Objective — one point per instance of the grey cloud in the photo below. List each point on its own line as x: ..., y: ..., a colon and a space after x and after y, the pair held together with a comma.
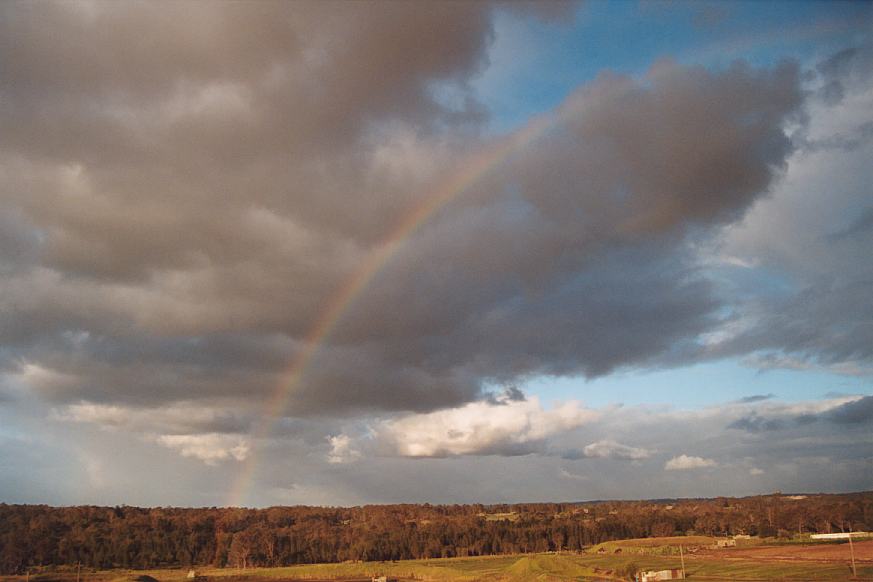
x: 709, y: 16
x: 149, y: 370
x: 607, y: 449
x: 256, y: 92
x: 755, y: 398
x: 815, y: 247
x: 564, y: 278
x: 513, y: 394
x: 19, y: 243
x: 650, y: 158
x: 555, y: 266
x: 553, y: 11
x: 855, y: 412
x: 848, y: 142
x: 62, y: 52
x: 755, y: 423
x: 823, y: 324
x: 191, y: 202
x: 862, y: 225
x: 180, y: 418
x: 509, y: 394
x: 849, y: 66
x: 185, y: 187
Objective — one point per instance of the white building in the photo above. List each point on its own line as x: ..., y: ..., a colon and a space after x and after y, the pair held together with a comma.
x: 655, y: 575
x: 842, y: 535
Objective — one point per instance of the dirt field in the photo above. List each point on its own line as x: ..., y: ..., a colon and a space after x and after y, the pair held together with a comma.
x: 830, y: 552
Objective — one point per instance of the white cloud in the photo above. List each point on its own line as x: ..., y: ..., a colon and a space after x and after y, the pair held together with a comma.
x: 94, y: 470
x: 37, y: 376
x: 508, y: 427
x: 684, y: 462
x: 815, y: 406
x: 607, y: 449
x: 341, y: 450
x: 209, y: 448
x: 568, y: 475
x: 179, y: 418
x: 105, y: 415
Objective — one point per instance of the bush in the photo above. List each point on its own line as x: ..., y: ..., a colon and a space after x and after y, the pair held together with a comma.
x: 630, y: 570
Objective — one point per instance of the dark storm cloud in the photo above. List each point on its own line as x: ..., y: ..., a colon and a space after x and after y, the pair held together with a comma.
x: 169, y: 110
x: 547, y: 273
x: 648, y: 157
x: 186, y: 185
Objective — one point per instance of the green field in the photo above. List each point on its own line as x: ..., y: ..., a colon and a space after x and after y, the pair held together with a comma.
x: 593, y: 565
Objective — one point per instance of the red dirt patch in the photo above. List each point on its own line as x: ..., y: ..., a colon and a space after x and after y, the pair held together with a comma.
x: 817, y: 553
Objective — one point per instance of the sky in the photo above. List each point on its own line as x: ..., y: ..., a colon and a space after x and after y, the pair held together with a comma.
x: 337, y: 253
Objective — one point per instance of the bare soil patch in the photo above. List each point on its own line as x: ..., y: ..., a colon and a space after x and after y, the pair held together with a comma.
x: 818, y: 552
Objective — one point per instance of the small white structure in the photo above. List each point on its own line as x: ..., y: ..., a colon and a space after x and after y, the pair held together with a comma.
x: 726, y: 543
x: 191, y: 574
x: 656, y: 575
x: 842, y: 535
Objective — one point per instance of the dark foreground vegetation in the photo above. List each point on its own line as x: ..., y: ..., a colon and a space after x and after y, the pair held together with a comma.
x: 140, y: 538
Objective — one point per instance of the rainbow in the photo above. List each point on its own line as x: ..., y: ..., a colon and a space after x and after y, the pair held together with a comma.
x: 480, y: 165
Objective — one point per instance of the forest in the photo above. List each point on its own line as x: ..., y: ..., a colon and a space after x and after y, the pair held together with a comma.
x: 139, y: 538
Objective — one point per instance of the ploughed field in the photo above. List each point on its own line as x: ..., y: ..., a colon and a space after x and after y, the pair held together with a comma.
x: 608, y: 561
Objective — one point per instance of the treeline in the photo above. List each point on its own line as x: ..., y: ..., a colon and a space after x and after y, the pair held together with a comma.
x: 133, y: 537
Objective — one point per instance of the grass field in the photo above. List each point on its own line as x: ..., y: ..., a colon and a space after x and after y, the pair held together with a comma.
x: 666, y: 546
x: 821, y: 562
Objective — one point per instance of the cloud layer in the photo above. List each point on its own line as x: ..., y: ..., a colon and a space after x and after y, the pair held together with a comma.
x: 187, y: 187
